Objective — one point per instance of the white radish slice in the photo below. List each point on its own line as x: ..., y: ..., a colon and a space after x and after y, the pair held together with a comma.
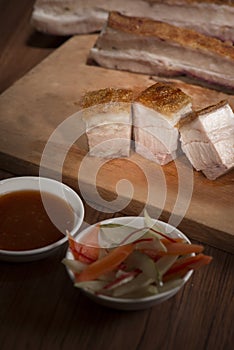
x: 74, y: 265
x: 91, y: 286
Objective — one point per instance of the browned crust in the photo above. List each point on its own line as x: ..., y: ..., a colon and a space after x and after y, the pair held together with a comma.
x: 163, y: 31
x: 171, y: 2
x: 194, y: 115
x: 107, y: 95
x: 164, y: 98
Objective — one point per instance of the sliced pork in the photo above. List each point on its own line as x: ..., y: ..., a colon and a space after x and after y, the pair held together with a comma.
x: 156, y: 111
x: 108, y: 123
x: 66, y: 17
x: 207, y: 138
x: 151, y: 47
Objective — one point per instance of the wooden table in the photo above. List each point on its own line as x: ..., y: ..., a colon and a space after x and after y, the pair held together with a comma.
x: 40, y: 308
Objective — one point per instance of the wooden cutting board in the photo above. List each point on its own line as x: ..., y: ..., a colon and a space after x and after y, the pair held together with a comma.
x: 38, y: 107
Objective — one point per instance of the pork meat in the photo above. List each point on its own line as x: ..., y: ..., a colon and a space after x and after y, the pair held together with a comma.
x: 66, y: 17
x: 156, y: 112
x: 146, y: 46
x: 106, y: 114
x: 207, y: 138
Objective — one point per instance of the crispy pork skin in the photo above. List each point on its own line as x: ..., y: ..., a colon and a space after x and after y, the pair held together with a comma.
x: 207, y: 138
x: 108, y: 123
x: 156, y: 111
x: 66, y: 17
x: 146, y: 46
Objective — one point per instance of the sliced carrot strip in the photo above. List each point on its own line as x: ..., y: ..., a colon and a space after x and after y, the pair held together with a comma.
x: 189, y: 261
x: 106, y: 264
x: 183, y: 265
x: 179, y: 248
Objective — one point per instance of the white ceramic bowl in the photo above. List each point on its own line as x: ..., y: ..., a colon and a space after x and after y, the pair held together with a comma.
x: 45, y: 185
x: 127, y: 303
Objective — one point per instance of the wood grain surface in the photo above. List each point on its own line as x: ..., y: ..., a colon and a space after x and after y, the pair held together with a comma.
x: 42, y: 103
x: 40, y: 309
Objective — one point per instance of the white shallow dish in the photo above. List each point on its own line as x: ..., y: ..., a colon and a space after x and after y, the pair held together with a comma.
x: 128, y: 303
x: 45, y: 185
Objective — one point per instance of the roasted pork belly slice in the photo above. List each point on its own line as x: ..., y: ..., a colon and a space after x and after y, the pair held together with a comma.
x: 106, y: 114
x: 156, y: 111
x: 151, y: 47
x: 66, y: 17
x: 207, y: 139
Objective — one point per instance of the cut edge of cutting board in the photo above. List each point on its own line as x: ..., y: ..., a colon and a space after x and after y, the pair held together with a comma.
x: 205, y: 234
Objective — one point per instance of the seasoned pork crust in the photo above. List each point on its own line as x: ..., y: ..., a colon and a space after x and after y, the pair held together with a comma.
x: 155, y: 113
x: 164, y: 98
x: 66, y: 17
x: 106, y: 116
x: 207, y: 139
x: 107, y: 95
x: 195, y: 114
x: 142, y: 45
x: 163, y: 31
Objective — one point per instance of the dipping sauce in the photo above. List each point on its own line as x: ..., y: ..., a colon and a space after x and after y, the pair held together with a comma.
x: 25, y: 224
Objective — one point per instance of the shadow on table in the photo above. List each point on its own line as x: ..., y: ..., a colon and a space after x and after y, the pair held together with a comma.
x: 42, y: 40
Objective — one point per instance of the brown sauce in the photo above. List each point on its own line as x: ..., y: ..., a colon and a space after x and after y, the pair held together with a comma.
x: 25, y: 224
